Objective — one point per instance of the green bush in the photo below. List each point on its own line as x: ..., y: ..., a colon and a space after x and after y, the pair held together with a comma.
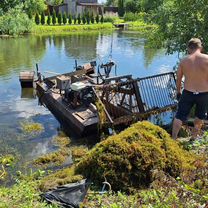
x: 88, y: 18
x: 97, y: 18
x: 42, y: 20
x: 111, y: 19
x: 101, y: 19
x: 129, y: 16
x: 75, y: 19
x: 54, y: 17
x: 37, y: 19
x: 15, y: 22
x: 127, y: 160
x: 92, y: 19
x: 83, y: 19
x: 64, y: 18
x: 49, y: 19
x: 79, y: 19
x: 121, y: 9
x: 132, y: 6
x: 70, y: 19
x: 59, y: 18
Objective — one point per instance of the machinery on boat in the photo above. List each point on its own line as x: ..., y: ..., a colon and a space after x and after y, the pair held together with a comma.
x: 86, y: 101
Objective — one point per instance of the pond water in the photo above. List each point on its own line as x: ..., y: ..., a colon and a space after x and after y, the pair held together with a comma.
x: 57, y: 53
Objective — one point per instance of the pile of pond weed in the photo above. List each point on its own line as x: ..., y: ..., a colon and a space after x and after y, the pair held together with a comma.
x: 78, y: 152
x: 127, y: 160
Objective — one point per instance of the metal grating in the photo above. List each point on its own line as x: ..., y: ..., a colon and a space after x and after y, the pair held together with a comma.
x: 157, y: 91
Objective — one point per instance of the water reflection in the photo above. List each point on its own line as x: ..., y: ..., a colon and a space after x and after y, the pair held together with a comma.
x: 28, y: 93
x: 20, y: 53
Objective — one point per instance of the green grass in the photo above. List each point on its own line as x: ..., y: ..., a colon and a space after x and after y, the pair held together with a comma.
x: 24, y: 194
x: 142, y: 26
x: 39, y: 29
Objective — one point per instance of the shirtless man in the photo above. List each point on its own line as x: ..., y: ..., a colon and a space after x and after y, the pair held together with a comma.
x: 194, y: 68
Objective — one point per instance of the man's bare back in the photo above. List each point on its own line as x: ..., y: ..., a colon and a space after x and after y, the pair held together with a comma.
x: 195, y: 70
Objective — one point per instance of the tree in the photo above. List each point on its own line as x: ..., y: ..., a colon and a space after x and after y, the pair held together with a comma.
x: 64, y: 18
x: 54, y: 17
x: 75, y: 19
x: 92, y: 19
x: 34, y: 6
x: 132, y: 6
x: 121, y: 10
x: 54, y: 2
x: 179, y: 21
x: 70, y: 19
x: 97, y: 18
x: 49, y: 19
x: 111, y: 3
x: 37, y: 19
x: 42, y: 20
x: 79, y: 19
x: 83, y: 19
x: 60, y: 18
x: 102, y: 19
x: 149, y: 5
x: 15, y: 22
x: 9, y: 4
x: 88, y: 17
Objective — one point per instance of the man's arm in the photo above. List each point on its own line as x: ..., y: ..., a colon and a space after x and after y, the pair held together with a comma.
x: 179, y: 79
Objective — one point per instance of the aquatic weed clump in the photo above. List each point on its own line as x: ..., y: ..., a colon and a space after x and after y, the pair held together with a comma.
x: 31, y: 128
x: 127, y: 160
x: 58, y: 157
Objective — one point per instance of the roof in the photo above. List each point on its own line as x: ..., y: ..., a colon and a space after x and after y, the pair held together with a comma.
x: 89, y: 4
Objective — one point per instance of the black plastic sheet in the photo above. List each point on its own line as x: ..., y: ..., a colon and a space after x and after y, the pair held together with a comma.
x: 70, y: 195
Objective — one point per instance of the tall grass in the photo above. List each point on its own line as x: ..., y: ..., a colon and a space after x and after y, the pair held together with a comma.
x: 39, y: 29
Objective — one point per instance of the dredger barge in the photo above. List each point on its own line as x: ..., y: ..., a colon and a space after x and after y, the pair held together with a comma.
x: 85, y: 101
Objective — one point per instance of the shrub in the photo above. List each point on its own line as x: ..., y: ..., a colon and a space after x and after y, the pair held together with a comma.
x: 59, y: 18
x: 127, y: 160
x: 15, y: 22
x: 30, y: 15
x: 54, y: 17
x: 49, y: 19
x: 97, y: 18
x: 75, y: 19
x: 121, y: 9
x: 79, y: 19
x: 37, y: 19
x: 83, y: 19
x: 64, y: 18
x: 88, y: 18
x: 110, y: 19
x: 92, y: 18
x: 42, y: 18
x: 70, y: 19
x: 129, y: 16
x: 102, y: 19
x: 132, y: 6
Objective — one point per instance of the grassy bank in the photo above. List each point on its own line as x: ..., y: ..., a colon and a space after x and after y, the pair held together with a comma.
x: 141, y: 26
x: 40, y: 29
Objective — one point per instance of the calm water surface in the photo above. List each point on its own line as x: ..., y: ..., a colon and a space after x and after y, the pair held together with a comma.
x: 57, y: 53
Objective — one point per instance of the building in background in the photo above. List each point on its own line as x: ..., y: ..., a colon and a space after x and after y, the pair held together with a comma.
x: 76, y: 7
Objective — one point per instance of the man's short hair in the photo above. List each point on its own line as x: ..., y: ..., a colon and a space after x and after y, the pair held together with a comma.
x: 194, y: 43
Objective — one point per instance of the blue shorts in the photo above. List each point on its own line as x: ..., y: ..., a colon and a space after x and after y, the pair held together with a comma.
x: 188, y: 100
